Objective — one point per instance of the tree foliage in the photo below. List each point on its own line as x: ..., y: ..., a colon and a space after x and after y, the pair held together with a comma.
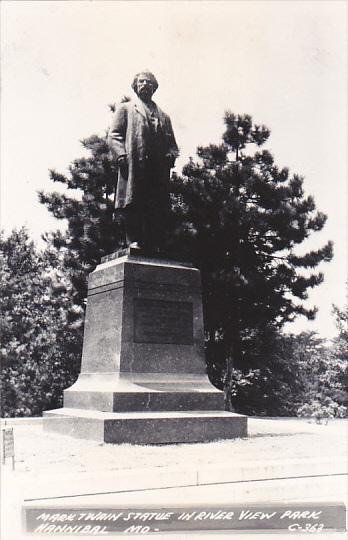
x: 240, y: 218
x: 92, y: 229
x: 322, y: 374
x: 40, y: 328
x: 340, y: 348
x: 340, y: 343
x: 294, y: 375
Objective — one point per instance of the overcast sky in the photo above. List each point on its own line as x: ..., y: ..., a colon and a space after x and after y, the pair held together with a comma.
x: 285, y: 63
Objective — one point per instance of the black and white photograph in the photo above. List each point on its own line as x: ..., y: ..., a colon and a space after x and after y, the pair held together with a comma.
x: 173, y: 274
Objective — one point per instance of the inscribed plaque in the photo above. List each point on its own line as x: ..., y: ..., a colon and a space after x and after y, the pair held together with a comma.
x: 159, y: 321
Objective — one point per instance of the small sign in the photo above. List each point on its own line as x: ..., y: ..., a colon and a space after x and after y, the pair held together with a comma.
x: 8, y: 445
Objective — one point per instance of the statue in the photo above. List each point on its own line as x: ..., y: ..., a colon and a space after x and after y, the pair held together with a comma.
x: 142, y: 141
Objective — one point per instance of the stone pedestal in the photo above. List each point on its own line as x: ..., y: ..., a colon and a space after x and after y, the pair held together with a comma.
x: 143, y: 374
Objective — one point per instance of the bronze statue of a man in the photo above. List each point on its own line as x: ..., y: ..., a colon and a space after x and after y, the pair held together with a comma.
x: 142, y: 141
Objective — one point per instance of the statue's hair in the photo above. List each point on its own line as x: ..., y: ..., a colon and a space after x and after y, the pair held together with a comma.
x: 149, y: 74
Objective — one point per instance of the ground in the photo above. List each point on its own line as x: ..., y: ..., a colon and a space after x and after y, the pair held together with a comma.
x: 268, y: 440
x: 269, y: 460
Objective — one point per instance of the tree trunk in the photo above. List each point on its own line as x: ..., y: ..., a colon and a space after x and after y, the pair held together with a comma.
x: 228, y: 384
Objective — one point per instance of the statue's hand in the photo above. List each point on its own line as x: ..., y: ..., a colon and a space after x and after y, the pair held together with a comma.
x: 122, y: 161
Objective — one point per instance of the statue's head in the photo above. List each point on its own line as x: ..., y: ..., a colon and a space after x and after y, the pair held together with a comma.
x: 145, y: 85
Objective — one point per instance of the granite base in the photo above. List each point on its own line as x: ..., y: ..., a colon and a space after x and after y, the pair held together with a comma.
x: 143, y: 374
x: 146, y: 428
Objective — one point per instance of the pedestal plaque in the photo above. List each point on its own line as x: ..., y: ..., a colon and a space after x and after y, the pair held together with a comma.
x: 143, y: 375
x: 158, y: 321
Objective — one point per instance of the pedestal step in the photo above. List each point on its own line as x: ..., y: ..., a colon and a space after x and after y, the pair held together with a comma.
x: 144, y: 401
x: 146, y: 427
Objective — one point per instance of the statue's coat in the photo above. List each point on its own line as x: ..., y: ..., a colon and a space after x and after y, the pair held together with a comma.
x: 129, y: 135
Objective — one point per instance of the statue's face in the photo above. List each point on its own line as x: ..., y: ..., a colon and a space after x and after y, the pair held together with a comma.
x: 144, y: 87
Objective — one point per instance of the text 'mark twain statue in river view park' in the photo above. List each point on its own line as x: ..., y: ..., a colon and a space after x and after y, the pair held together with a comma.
x: 142, y: 141
x: 143, y: 375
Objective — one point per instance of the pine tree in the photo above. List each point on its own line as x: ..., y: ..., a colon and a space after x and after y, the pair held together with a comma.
x: 93, y: 229
x: 240, y: 218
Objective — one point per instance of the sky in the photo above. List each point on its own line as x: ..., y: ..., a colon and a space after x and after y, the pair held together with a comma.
x: 282, y: 62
